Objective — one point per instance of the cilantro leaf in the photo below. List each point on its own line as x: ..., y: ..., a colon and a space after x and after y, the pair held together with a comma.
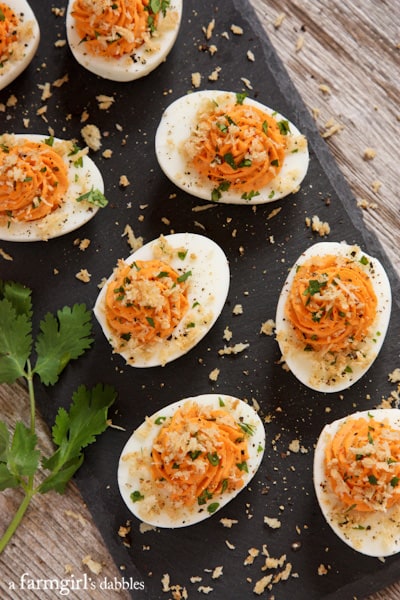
x: 95, y: 197
x: 60, y: 340
x: 22, y: 457
x: 75, y: 430
x: 15, y: 341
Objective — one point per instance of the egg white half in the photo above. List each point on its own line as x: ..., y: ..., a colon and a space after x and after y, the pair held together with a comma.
x: 208, y: 288
x: 305, y: 365
x: 145, y: 59
x: 140, y: 444
x: 371, y: 533
x: 71, y: 214
x: 174, y: 129
x: 30, y: 37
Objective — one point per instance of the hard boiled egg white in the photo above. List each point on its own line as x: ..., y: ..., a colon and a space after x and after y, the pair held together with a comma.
x: 207, y: 270
x: 376, y: 532
x: 84, y: 178
x: 320, y: 369
x: 173, y: 133
x: 154, y: 505
x: 24, y: 36
x: 145, y: 58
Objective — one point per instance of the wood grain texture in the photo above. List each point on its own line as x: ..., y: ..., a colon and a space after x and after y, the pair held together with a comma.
x: 343, y: 57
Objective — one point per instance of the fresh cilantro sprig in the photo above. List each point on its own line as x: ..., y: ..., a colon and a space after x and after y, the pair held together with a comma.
x: 62, y: 337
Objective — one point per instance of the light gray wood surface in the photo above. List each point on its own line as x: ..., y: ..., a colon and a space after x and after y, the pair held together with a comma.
x: 343, y: 57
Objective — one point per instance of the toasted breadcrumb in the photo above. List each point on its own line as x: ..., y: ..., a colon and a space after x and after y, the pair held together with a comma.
x: 124, y: 181
x: 91, y: 136
x: 369, y: 154
x: 320, y: 227
x: 279, y: 20
x: 208, y: 31
x: 83, y: 275
x: 4, y: 255
x: 93, y: 565
x: 236, y: 30
x: 213, y: 376
x: 196, y: 79
x: 268, y: 327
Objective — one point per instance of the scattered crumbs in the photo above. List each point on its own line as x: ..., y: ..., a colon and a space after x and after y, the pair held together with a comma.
x: 229, y: 545
x: 107, y: 153
x: 272, y: 522
x: 84, y: 116
x: 225, y: 35
x: 165, y: 580
x: 166, y: 221
x: 124, y: 181
x: 227, y: 334
x: 376, y: 186
x: 294, y: 446
x: 274, y: 212
x: 205, y: 589
x: 236, y: 349
x: 225, y: 522
x: 46, y: 92
x: 320, y: 227
x: 82, y: 244
x: 104, y: 102
x: 268, y: 327
x: 394, y: 376
x: 75, y: 515
x: 212, y: 49
x: 213, y: 376
x: 237, y: 309
x: 369, y: 154
x: 93, y: 565
x: 59, y: 82
x: 12, y: 101
x: 215, y: 74
x: 325, y: 89
x: 83, y: 275
x: 250, y: 56
x: 366, y: 205
x: 217, y: 572
x: 91, y: 136
x: 196, y: 79
x: 68, y: 570
x: 201, y: 207
x: 60, y: 43
x: 134, y: 242
x: 124, y: 530
x: 279, y: 20
x: 4, y: 255
x: 208, y: 31
x: 145, y: 527
x: 262, y: 584
x: 322, y: 570
x: 252, y: 555
x: 195, y: 579
x: 330, y: 128
x: 247, y: 83
x: 236, y: 30
x: 315, y: 113
x: 299, y: 43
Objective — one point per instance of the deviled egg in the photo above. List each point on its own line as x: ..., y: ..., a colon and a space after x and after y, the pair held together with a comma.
x: 229, y: 148
x: 19, y: 39
x: 357, y: 480
x: 332, y: 315
x: 164, y: 298
x: 48, y: 187
x: 123, y: 40
x: 189, y: 459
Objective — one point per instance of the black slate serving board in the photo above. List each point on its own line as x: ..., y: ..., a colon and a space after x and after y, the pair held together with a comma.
x: 260, y: 249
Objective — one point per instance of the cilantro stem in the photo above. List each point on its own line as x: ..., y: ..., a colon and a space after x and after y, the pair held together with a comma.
x: 29, y: 379
x: 11, y: 529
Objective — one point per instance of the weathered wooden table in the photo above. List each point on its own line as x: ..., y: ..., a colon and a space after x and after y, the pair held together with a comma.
x: 344, y: 59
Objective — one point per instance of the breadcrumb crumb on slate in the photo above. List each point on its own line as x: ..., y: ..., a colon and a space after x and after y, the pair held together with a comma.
x: 318, y: 226
x: 279, y: 20
x: 83, y: 275
x: 91, y: 136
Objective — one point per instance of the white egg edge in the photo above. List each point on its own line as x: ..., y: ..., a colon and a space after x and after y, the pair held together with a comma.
x: 370, y: 544
x: 127, y: 484
x: 70, y: 216
x: 107, y: 68
x: 221, y: 274
x: 175, y: 125
x: 299, y: 363
x: 20, y: 6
